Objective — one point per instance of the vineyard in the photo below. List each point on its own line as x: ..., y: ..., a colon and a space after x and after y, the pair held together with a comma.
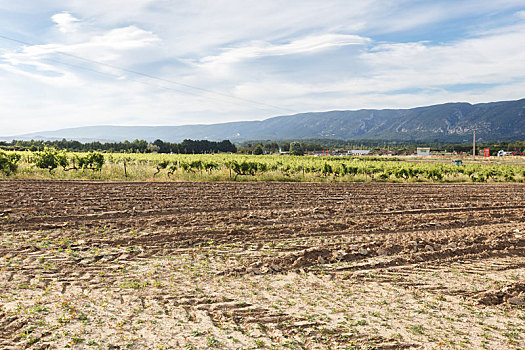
x: 161, y: 251
x: 232, y: 167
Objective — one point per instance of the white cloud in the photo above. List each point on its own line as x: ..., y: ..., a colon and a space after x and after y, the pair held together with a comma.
x: 66, y: 23
x: 111, y: 46
x: 99, y: 46
x: 492, y: 59
x: 45, y: 74
x: 302, y: 55
x: 307, y: 45
x: 126, y: 38
x: 390, y: 74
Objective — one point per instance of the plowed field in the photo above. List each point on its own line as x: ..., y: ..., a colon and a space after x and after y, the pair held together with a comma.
x: 118, y: 265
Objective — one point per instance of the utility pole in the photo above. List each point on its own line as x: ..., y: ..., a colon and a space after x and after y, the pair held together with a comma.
x: 474, y: 146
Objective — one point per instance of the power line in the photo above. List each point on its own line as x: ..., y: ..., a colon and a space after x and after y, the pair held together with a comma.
x: 136, y: 80
x: 131, y: 79
x: 147, y: 76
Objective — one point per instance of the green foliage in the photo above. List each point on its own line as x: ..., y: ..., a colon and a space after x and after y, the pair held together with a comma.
x: 136, y: 146
x: 210, y: 166
x: 185, y: 166
x: 402, y: 173
x: 196, y: 165
x: 258, y: 150
x: 224, y: 167
x: 164, y: 164
x: 384, y: 176
x: 434, y: 174
x: 92, y: 161
x: 51, y: 159
x: 246, y: 168
x: 9, y: 162
x: 296, y: 149
x: 192, y: 166
x: 173, y: 168
x: 327, y: 169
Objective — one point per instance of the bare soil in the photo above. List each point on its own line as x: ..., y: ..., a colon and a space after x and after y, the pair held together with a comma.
x: 118, y: 265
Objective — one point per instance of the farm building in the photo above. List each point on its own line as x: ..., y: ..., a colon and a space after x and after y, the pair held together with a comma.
x: 423, y: 151
x: 502, y: 153
x: 358, y: 152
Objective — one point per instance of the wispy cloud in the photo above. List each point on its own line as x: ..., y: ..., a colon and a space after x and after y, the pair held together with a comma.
x: 99, y: 46
x: 486, y: 63
x: 307, y: 45
x: 490, y: 59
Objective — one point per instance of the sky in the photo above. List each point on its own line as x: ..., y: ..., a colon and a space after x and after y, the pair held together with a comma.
x: 169, y: 62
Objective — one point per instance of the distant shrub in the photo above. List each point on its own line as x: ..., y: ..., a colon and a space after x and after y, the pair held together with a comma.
x: 434, y: 174
x: 209, y: 166
x: 51, y: 159
x: 246, y: 168
x: 327, y: 169
x: 9, y: 162
x: 92, y: 161
x: 296, y: 149
x: 173, y: 168
x: 162, y: 165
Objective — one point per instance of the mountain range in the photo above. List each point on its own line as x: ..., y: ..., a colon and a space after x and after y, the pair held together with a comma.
x: 449, y: 122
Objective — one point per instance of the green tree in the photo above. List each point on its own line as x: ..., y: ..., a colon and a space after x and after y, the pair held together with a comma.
x: 258, y: 150
x: 152, y: 148
x: 296, y: 149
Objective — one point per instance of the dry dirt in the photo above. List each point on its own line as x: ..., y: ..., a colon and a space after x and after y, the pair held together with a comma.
x: 261, y: 265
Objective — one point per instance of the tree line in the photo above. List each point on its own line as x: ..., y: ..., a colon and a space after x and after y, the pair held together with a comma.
x: 136, y: 146
x: 378, y: 147
x: 254, y: 147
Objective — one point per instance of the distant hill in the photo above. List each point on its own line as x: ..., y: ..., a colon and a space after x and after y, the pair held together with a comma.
x: 449, y: 122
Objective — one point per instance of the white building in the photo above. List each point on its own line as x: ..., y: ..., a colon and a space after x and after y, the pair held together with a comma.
x: 423, y: 151
x: 358, y: 152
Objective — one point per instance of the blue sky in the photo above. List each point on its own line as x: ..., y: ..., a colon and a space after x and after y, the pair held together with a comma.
x: 228, y: 60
